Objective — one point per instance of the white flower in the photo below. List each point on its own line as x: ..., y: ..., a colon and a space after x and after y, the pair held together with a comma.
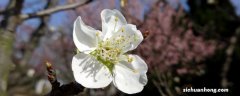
x: 102, y: 57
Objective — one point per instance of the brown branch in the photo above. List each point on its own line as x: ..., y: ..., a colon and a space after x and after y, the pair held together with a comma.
x: 11, y: 13
x: 229, y: 53
x: 54, y: 10
x: 70, y: 89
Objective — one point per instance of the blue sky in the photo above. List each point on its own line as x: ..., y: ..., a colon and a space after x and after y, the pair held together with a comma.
x: 59, y: 18
x: 236, y: 4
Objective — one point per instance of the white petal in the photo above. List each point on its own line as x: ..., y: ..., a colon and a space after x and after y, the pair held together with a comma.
x: 89, y: 72
x: 84, y: 36
x: 133, y: 37
x: 136, y: 37
x: 109, y: 23
x: 130, y: 77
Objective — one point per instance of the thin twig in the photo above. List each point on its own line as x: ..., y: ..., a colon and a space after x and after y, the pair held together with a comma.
x: 70, y: 89
x: 54, y: 10
x: 229, y: 53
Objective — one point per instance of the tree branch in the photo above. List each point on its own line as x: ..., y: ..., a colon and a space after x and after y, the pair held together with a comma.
x: 11, y: 13
x: 229, y: 53
x: 70, y: 89
x: 54, y: 10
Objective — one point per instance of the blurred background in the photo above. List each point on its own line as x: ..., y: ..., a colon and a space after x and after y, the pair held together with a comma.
x: 189, y: 43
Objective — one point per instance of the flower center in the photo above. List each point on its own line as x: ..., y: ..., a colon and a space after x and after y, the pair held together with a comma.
x: 109, y: 50
x: 106, y: 54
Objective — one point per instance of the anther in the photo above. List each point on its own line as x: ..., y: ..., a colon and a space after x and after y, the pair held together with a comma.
x: 122, y: 29
x: 116, y: 19
x: 135, y: 71
x: 130, y: 59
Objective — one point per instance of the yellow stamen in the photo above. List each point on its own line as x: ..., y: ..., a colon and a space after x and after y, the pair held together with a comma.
x: 97, y: 33
x: 116, y: 19
x: 123, y: 29
x: 135, y: 71
x: 130, y: 59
